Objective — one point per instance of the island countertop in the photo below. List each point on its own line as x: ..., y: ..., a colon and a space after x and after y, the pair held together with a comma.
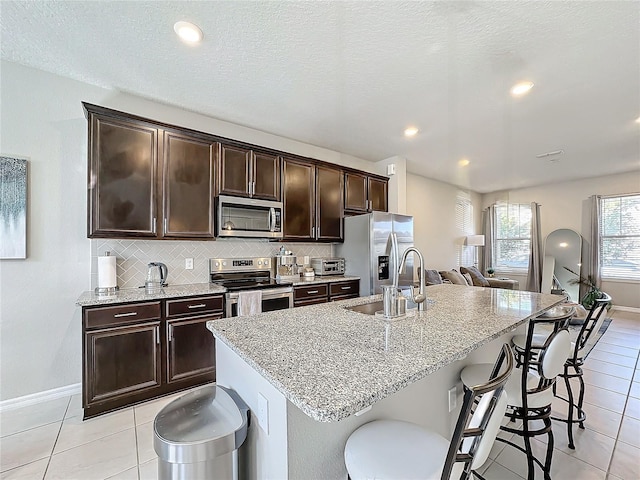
x: 332, y: 362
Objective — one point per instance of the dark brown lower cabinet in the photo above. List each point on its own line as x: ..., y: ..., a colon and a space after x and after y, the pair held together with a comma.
x: 191, y: 349
x: 138, y: 351
x: 325, y: 292
x: 113, y: 351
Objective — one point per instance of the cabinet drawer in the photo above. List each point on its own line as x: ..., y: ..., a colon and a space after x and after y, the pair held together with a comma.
x: 121, y: 314
x: 342, y: 289
x: 310, y: 292
x: 193, y: 306
x: 309, y: 301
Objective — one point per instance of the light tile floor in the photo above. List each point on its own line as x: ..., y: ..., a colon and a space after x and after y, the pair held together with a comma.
x: 50, y: 440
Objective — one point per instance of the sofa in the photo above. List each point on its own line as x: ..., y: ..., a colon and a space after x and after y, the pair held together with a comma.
x: 469, y: 276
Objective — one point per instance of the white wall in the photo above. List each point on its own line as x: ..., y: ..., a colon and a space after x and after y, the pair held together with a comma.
x: 42, y: 119
x: 433, y: 206
x: 566, y: 205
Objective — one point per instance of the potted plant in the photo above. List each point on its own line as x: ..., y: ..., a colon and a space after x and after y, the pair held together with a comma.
x: 490, y: 271
x: 593, y: 291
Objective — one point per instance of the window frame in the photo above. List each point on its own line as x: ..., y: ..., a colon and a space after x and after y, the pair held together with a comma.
x: 497, y: 239
x: 605, y: 271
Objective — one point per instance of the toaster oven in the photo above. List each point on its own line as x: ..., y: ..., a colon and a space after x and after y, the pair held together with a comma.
x: 328, y: 266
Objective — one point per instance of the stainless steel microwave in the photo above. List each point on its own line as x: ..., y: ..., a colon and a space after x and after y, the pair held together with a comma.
x: 247, y: 217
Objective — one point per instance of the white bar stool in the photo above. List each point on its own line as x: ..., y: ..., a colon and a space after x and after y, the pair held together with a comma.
x: 393, y: 449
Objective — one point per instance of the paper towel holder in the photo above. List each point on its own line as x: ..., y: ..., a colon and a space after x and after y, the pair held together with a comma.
x: 106, y: 291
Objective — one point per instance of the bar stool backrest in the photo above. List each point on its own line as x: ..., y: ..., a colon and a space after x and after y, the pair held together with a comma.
x: 547, y: 361
x: 475, y: 434
x: 592, y: 323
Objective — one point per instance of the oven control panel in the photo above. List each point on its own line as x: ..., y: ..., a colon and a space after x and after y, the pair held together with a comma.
x: 217, y: 265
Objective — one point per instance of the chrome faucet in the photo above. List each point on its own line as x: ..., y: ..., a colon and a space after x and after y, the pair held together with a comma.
x: 421, y: 297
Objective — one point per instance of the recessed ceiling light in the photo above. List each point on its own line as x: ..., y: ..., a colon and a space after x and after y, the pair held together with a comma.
x: 638, y: 120
x: 410, y: 132
x: 521, y: 88
x: 463, y: 162
x: 188, y: 32
x: 563, y: 244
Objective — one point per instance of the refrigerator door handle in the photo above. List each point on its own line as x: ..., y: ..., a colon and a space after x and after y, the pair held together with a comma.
x: 396, y: 257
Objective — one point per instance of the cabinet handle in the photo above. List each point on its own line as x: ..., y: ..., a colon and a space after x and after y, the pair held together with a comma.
x: 313, y: 231
x: 165, y: 226
x: 153, y: 226
x: 158, y: 335
x: 253, y: 189
x: 128, y: 314
x: 309, y: 292
x: 200, y: 305
x: 170, y: 332
x: 345, y: 288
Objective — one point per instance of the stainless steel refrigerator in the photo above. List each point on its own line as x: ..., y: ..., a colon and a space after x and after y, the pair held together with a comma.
x: 368, y: 249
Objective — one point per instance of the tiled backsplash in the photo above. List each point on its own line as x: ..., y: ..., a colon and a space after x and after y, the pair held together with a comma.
x: 134, y: 255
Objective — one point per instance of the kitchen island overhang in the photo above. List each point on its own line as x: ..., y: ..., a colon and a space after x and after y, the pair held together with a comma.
x: 309, y: 373
x: 363, y: 358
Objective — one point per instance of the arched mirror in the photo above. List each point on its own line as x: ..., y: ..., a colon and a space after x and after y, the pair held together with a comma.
x: 562, y: 252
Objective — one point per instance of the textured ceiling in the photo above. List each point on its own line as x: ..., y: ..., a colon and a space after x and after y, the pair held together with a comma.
x: 350, y: 76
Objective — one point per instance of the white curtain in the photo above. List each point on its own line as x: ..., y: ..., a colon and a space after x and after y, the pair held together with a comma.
x: 593, y: 267
x: 534, y: 278
x: 488, y: 229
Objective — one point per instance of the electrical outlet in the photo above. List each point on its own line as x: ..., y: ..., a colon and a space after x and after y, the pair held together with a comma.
x: 188, y: 263
x: 263, y: 413
x: 453, y: 398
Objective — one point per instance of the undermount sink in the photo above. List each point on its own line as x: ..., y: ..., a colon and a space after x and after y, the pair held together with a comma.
x: 367, y: 308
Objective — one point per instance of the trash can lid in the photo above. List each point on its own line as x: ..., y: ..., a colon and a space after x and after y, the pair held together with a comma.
x: 206, y: 415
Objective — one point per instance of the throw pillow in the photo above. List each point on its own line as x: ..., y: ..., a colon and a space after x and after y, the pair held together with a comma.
x: 454, y: 277
x: 468, y: 278
x: 432, y: 277
x: 477, y: 278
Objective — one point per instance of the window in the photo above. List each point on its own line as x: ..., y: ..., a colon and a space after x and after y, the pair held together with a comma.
x: 465, y: 255
x: 620, y: 237
x: 513, y: 236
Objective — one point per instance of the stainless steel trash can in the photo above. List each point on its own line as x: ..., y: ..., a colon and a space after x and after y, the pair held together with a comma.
x: 197, y: 436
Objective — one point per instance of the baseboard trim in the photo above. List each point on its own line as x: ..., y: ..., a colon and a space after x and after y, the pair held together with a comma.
x: 625, y: 309
x: 35, y: 398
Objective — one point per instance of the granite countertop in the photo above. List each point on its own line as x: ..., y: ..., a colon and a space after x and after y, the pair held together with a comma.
x: 331, y: 362
x: 323, y: 279
x: 139, y: 295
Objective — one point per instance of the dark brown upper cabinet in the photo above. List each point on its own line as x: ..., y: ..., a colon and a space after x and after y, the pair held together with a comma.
x: 364, y: 193
x: 298, y: 185
x: 313, y: 202
x: 122, y: 178
x: 146, y: 180
x: 188, y: 190
x: 247, y: 173
x: 329, y: 204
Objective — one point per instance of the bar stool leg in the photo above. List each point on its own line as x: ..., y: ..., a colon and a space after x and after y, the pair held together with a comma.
x: 549, y: 457
x: 580, y: 401
x: 571, y: 407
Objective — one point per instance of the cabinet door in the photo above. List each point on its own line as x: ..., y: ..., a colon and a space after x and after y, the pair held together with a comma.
x: 299, y: 200
x: 355, y: 192
x: 234, y: 171
x: 188, y: 186
x: 266, y: 177
x: 329, y: 204
x: 121, y: 361
x: 344, y: 290
x: 122, y: 178
x: 378, y: 195
x: 190, y: 348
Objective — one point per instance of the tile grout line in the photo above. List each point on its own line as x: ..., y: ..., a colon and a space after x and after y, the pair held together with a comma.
x: 53, y: 447
x: 615, y: 445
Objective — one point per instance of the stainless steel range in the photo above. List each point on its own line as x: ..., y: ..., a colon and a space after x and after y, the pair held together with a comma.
x: 246, y: 274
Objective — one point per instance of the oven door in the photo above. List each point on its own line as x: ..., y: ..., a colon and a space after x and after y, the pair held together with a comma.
x: 272, y: 299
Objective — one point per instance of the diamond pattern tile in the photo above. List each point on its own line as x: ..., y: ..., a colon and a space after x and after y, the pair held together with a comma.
x: 134, y: 255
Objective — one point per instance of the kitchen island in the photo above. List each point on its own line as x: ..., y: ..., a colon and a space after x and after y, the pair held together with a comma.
x: 312, y: 375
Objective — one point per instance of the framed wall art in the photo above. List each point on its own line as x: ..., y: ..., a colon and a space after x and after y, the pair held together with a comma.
x: 13, y: 208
